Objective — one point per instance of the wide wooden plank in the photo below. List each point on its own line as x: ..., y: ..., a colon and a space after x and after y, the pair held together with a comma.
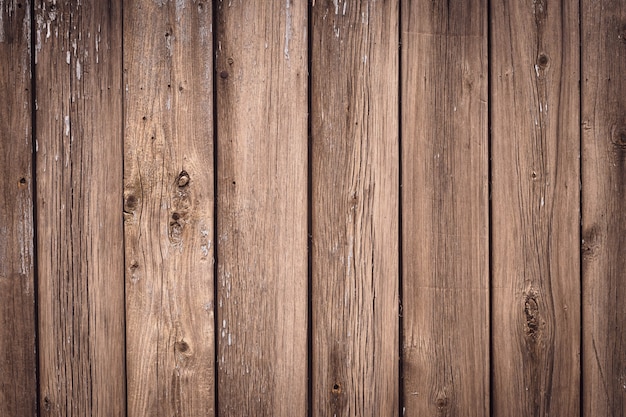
x: 445, y: 208
x: 261, y: 64
x: 604, y: 198
x: 79, y: 185
x: 168, y: 208
x: 18, y: 384
x: 535, y: 218
x: 355, y: 204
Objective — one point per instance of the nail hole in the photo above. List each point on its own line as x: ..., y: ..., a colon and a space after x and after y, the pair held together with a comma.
x: 543, y: 60
x: 22, y: 180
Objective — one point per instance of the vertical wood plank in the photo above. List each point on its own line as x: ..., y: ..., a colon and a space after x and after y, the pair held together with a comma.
x: 355, y: 198
x: 79, y: 185
x: 604, y: 199
x: 18, y: 384
x: 262, y: 207
x: 168, y: 208
x: 535, y: 219
x: 445, y: 208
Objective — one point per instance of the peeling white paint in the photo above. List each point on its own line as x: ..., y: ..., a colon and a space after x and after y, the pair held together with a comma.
x: 287, y: 28
x: 79, y: 71
x: 67, y: 125
x: 336, y: 3
x: 67, y: 58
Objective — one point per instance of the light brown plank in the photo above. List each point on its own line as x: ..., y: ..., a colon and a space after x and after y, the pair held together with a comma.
x: 355, y: 205
x: 445, y: 208
x: 168, y: 204
x: 79, y: 187
x: 604, y: 199
x: 262, y: 210
x: 535, y: 218
x: 18, y: 384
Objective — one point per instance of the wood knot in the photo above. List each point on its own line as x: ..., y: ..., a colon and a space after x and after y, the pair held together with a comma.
x: 336, y: 389
x: 442, y: 402
x: 618, y: 137
x: 589, y: 244
x: 224, y: 74
x: 181, y: 346
x: 183, y: 179
x: 542, y: 60
x: 621, y: 34
x: 531, y: 313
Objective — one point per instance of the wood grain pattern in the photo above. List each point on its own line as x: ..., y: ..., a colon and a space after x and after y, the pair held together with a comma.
x: 535, y: 218
x: 445, y: 208
x: 18, y: 384
x: 604, y: 198
x: 355, y: 198
x: 168, y: 208
x: 261, y: 62
x: 79, y: 185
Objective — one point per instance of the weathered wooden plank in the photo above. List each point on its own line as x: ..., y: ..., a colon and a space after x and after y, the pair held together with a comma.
x: 79, y: 185
x: 445, y: 208
x: 604, y: 198
x: 18, y: 384
x: 168, y: 205
x: 355, y: 203
x: 262, y: 207
x: 535, y: 218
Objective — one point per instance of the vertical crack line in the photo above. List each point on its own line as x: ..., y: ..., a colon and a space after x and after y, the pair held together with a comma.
x: 580, y: 207
x: 122, y: 134
x: 309, y: 225
x: 490, y: 206
x: 214, y: 25
x: 33, y: 119
x: 401, y: 398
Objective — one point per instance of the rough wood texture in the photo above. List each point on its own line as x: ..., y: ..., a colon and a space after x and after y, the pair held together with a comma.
x: 445, y: 209
x: 604, y: 199
x: 79, y: 185
x: 355, y: 198
x: 262, y: 207
x: 18, y: 385
x: 535, y: 218
x: 168, y: 208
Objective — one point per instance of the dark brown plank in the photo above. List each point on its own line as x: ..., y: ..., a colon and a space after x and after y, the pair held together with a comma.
x: 168, y: 204
x: 79, y: 188
x: 261, y: 62
x: 535, y: 218
x: 18, y: 384
x: 604, y: 199
x: 445, y: 208
x: 355, y: 198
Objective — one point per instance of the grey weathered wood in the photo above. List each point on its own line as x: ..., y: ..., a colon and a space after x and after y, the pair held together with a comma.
x: 355, y: 199
x: 79, y: 187
x: 18, y: 384
x: 261, y: 65
x: 535, y: 218
x: 445, y: 208
x: 168, y: 208
x: 604, y: 198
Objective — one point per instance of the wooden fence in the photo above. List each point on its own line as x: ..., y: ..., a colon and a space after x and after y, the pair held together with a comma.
x: 333, y: 208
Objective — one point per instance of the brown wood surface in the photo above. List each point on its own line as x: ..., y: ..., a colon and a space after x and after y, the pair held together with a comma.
x: 604, y: 198
x: 18, y: 362
x: 168, y: 208
x: 445, y: 209
x: 261, y: 65
x: 355, y: 198
x: 535, y: 202
x: 79, y: 188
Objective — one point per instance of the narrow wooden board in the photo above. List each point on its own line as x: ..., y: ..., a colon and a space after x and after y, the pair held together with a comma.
x: 18, y: 384
x: 168, y: 208
x: 355, y: 206
x: 79, y: 185
x: 604, y: 199
x: 261, y: 65
x: 535, y: 218
x: 445, y: 209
